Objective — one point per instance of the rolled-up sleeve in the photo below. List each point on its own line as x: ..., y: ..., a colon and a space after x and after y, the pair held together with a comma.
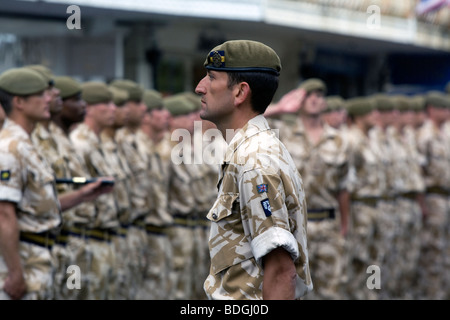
x: 265, y: 214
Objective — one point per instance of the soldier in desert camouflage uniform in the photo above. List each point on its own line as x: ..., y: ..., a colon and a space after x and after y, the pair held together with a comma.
x: 124, y: 182
x: 142, y: 198
x: 321, y: 158
x: 258, y: 241
x: 366, y: 187
x: 86, y: 141
x: 30, y: 210
x: 433, y: 144
x: 181, y: 196
x: 154, y: 125
x: 411, y: 188
x: 205, y: 193
x: 70, y: 247
x: 77, y: 220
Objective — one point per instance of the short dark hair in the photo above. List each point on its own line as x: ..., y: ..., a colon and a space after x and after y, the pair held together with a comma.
x: 262, y: 84
x: 6, y: 101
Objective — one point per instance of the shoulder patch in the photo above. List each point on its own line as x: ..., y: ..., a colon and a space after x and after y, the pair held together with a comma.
x: 266, y: 207
x: 261, y: 188
x: 5, y: 175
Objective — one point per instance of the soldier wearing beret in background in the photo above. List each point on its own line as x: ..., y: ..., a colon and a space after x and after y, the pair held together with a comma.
x: 100, y: 114
x: 142, y: 196
x: 54, y: 144
x: 433, y: 143
x: 181, y: 199
x: 367, y: 182
x: 154, y: 127
x: 124, y: 183
x: 335, y: 114
x: 321, y: 157
x: 258, y: 242
x: 30, y: 209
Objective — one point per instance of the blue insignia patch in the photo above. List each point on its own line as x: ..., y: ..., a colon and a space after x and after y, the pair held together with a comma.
x: 266, y: 207
x: 5, y: 175
x: 261, y: 188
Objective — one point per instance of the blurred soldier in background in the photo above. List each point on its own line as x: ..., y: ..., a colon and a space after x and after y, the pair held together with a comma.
x: 30, y: 210
x: 100, y: 114
x: 204, y: 190
x: 335, y: 114
x: 386, y: 221
x: 411, y: 188
x: 181, y: 197
x: 124, y: 182
x: 142, y: 198
x: 434, y: 145
x: 153, y: 127
x: 321, y: 158
x: 54, y: 144
x: 367, y: 182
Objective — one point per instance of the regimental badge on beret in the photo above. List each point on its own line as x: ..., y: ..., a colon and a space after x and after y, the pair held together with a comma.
x: 217, y: 58
x: 5, y: 175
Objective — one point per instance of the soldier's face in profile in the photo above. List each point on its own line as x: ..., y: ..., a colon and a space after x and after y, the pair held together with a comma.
x: 56, y: 101
x: 37, y: 106
x: 74, y: 109
x: 216, y: 97
x: 159, y: 118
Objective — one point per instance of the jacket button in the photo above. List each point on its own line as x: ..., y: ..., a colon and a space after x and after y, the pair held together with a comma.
x: 214, y: 216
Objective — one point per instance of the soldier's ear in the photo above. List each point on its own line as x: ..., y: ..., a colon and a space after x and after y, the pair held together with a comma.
x: 18, y: 102
x: 242, y: 93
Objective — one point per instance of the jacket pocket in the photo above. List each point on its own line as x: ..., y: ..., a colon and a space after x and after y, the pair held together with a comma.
x: 228, y: 243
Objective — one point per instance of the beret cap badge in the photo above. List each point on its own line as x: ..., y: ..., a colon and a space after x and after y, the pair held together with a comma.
x: 217, y: 58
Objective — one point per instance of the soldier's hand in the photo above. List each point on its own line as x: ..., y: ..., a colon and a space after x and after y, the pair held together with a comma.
x: 15, y: 285
x: 292, y: 101
x: 93, y: 190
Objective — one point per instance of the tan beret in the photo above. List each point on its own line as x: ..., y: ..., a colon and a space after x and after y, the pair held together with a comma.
x: 152, y: 99
x: 359, y: 106
x: 334, y: 103
x: 45, y: 72
x: 313, y: 84
x: 67, y: 86
x: 135, y: 91
x: 437, y: 99
x: 383, y: 102
x: 243, y: 55
x: 178, y: 104
x: 22, y: 81
x: 119, y: 96
x: 94, y: 92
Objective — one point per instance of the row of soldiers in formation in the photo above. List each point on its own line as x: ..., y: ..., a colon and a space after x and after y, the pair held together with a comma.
x: 377, y: 182
x: 375, y: 174
x: 147, y: 239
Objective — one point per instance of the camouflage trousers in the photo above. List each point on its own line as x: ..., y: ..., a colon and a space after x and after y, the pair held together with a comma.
x: 433, y: 266
x: 382, y: 249
x: 156, y: 284
x: 121, y: 269
x: 137, y: 245
x: 38, y: 266
x: 74, y: 251
x: 201, y: 260
x: 406, y: 246
x: 326, y: 253
x: 182, y: 240
x: 360, y: 250
x: 101, y: 275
